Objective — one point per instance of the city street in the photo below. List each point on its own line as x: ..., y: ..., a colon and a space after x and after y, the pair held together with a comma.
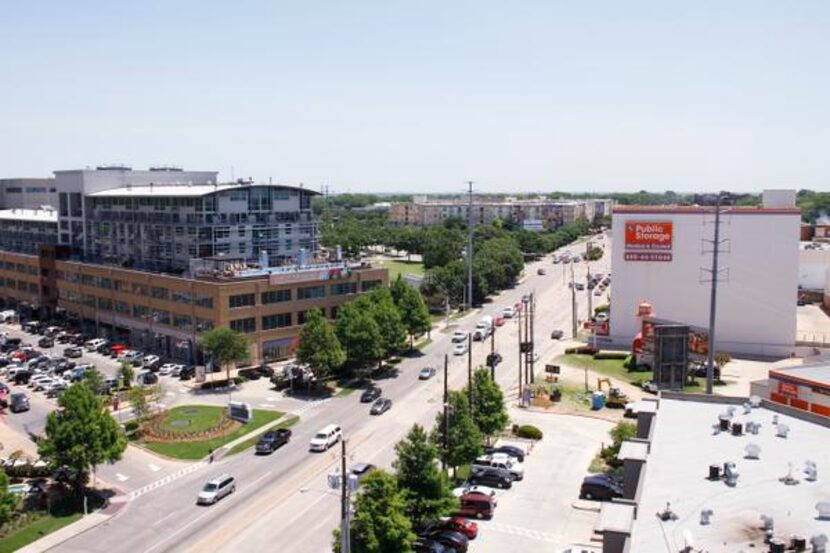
x: 162, y: 515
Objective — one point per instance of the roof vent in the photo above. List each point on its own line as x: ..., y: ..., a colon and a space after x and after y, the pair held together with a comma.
x: 755, y: 401
x: 753, y: 451
x: 823, y: 508
x: 819, y: 543
x: 811, y: 471
x: 753, y: 427
x: 767, y: 524
x: 730, y: 474
x: 782, y: 431
x: 667, y: 514
x: 798, y: 543
x: 789, y: 479
x: 775, y: 419
x: 705, y: 517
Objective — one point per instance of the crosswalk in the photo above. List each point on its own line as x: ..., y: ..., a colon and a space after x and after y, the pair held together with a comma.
x: 135, y: 494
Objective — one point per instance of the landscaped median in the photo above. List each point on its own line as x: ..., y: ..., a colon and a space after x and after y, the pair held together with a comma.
x: 192, y: 432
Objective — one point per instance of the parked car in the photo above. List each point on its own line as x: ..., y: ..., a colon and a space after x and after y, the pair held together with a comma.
x: 272, y: 440
x: 426, y: 545
x: 46, y: 342
x: 476, y: 490
x: 381, y: 406
x: 360, y: 470
x: 502, y: 461
x: 167, y: 368
x: 18, y: 402
x: 73, y: 352
x: 491, y: 476
x: 426, y: 373
x: 509, y: 312
x: 459, y: 336
x: 650, y: 386
x: 326, y: 438
x: 456, y: 541
x: 557, y: 335
x: 460, y: 349
x: 216, y: 489
x: 498, y: 321
x: 516, y: 452
x: 22, y: 376
x: 370, y: 394
x: 146, y: 378
x: 152, y: 362
x: 600, y: 487
x: 475, y: 506
x: 187, y: 372
x: 94, y: 344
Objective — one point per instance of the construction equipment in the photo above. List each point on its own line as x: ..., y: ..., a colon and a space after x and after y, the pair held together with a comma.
x: 616, y: 397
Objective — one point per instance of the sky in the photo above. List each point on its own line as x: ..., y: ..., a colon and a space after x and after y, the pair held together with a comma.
x: 421, y: 96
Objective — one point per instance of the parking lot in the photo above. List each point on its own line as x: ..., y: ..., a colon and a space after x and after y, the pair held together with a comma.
x: 538, y: 514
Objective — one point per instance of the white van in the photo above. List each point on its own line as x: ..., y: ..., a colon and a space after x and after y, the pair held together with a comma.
x: 94, y: 344
x: 326, y: 438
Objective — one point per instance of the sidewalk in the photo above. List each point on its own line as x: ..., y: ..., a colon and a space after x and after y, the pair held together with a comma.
x: 54, y: 539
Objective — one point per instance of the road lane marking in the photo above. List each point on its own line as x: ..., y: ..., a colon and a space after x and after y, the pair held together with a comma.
x: 135, y: 494
x: 154, y: 468
x: 120, y: 477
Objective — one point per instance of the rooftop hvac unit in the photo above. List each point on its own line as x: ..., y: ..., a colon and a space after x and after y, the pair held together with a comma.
x: 783, y: 430
x: 798, y: 543
x: 777, y: 546
x: 753, y: 451
x: 811, y: 471
x: 714, y: 472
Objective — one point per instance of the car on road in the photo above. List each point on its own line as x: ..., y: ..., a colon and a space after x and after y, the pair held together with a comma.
x: 600, y: 487
x: 73, y: 352
x: 426, y: 373
x: 272, y: 440
x: 459, y: 349
x: 579, y: 286
x: 381, y: 406
x: 601, y: 317
x: 541, y: 271
x: 459, y: 336
x: 598, y: 292
x: 557, y: 335
x: 46, y: 342
x: 216, y: 489
x: 326, y: 438
x: 370, y: 394
x: 509, y: 312
x: 580, y: 549
x: 491, y: 476
x: 18, y: 402
x: 511, y: 450
x: 498, y: 321
x: 360, y: 470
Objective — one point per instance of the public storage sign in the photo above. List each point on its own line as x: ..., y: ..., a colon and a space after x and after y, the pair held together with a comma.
x: 648, y: 240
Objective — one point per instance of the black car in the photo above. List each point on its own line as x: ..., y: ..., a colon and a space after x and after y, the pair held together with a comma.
x: 370, y: 394
x: 600, y: 487
x: 509, y: 450
x: 46, y: 342
x: 381, y: 406
x: 493, y: 359
x: 22, y: 377
x: 64, y: 338
x: 455, y: 541
x: 491, y: 476
x: 18, y: 402
x: 700, y: 372
x: 272, y: 440
x: 187, y: 373
x: 250, y: 374
x: 80, y: 339
x: 556, y: 335
x: 426, y: 545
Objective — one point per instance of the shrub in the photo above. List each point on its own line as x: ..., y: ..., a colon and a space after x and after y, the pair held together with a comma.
x: 611, y: 355
x: 604, y: 308
x: 584, y: 350
x: 630, y: 362
x: 131, y: 426
x: 529, y: 432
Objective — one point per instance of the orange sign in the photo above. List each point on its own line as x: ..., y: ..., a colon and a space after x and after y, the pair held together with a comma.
x: 648, y: 235
x: 788, y: 389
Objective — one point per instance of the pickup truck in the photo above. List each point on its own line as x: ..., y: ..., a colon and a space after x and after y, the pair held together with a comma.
x: 273, y: 439
x: 502, y: 461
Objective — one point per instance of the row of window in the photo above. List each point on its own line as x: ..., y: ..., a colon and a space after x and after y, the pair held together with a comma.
x: 154, y: 316
x: 141, y: 289
x: 269, y: 322
x: 21, y: 285
x: 19, y: 267
x: 304, y: 293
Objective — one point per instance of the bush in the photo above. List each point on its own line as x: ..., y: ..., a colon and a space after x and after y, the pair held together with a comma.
x: 131, y: 426
x: 604, y: 308
x: 611, y: 355
x: 529, y: 432
x: 584, y: 350
x: 630, y: 362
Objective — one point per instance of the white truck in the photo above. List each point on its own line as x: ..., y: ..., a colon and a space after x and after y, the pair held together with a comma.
x: 483, y: 328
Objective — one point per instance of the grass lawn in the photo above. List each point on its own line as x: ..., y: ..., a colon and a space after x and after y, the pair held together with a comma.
x: 610, y: 367
x: 192, y: 418
x: 62, y: 515
x: 200, y: 449
x: 245, y: 444
x: 401, y: 267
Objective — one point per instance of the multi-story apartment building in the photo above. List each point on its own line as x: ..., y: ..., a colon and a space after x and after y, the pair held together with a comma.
x: 530, y: 213
x: 153, y: 258
x: 25, y: 193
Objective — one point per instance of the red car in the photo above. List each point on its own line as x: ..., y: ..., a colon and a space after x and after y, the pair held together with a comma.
x: 498, y: 321
x: 457, y: 524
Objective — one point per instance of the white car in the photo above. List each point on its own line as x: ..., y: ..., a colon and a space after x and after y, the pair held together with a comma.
x: 170, y: 368
x: 459, y: 336
x: 509, y: 312
x: 150, y: 360
x: 459, y: 349
x: 36, y: 380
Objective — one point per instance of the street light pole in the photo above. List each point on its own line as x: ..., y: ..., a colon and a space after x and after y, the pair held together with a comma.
x: 345, y: 526
x: 521, y: 353
x: 470, y: 369
x: 573, y: 303
x: 532, y: 342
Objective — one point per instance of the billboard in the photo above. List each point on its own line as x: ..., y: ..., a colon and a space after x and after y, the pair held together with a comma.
x: 648, y: 240
x: 698, y: 339
x: 788, y: 389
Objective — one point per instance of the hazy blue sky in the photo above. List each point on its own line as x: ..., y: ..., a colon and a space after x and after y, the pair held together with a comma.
x: 423, y: 95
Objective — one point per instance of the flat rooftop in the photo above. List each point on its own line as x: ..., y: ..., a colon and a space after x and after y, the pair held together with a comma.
x: 684, y: 445
x: 34, y: 215
x: 182, y: 190
x: 811, y: 373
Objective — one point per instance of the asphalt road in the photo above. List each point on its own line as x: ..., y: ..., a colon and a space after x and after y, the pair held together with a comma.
x: 281, y: 500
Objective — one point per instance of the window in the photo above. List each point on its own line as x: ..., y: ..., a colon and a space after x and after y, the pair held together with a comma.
x: 122, y: 307
x: 14, y: 190
x: 367, y: 285
x: 105, y: 304
x: 280, y: 320
x: 301, y: 317
x: 140, y: 289
x: 343, y: 288
x: 87, y: 280
x: 244, y: 325
x: 63, y: 202
x: 239, y: 195
x: 276, y: 296
x: 221, y: 232
x: 161, y: 316
x: 105, y: 283
x: 203, y: 300
x: 240, y: 232
x: 181, y: 297
x: 311, y: 292
x: 334, y: 311
x: 182, y: 321
x: 75, y: 209
x: 203, y: 324
x: 160, y: 293
x: 209, y: 204
x: 140, y: 311
x: 258, y: 200
x: 241, y: 300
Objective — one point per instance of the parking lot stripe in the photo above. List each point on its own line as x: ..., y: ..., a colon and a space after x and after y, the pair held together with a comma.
x: 524, y: 532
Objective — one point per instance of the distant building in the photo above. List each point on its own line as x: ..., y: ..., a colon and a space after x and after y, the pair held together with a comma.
x: 25, y: 193
x: 23, y: 230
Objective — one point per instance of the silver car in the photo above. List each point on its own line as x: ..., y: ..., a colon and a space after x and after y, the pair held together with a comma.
x: 216, y: 489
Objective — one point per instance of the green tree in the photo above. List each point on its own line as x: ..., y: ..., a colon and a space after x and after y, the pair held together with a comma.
x: 412, y: 308
x: 138, y: 402
x: 441, y: 246
x: 464, y: 441
x: 126, y: 373
x: 226, y: 347
x: 8, y: 501
x: 94, y: 380
x: 380, y: 306
x: 359, y: 335
x: 426, y: 489
x: 595, y: 254
x: 319, y: 347
x: 81, y: 434
x: 489, y: 412
x: 379, y: 524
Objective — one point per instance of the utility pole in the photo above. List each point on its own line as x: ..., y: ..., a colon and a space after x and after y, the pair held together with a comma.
x: 521, y: 353
x: 493, y: 350
x: 528, y: 348
x: 470, y: 246
x: 573, y: 303
x: 713, y: 299
x: 588, y: 289
x: 446, y: 433
x: 532, y: 342
x: 345, y: 534
x: 470, y: 369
